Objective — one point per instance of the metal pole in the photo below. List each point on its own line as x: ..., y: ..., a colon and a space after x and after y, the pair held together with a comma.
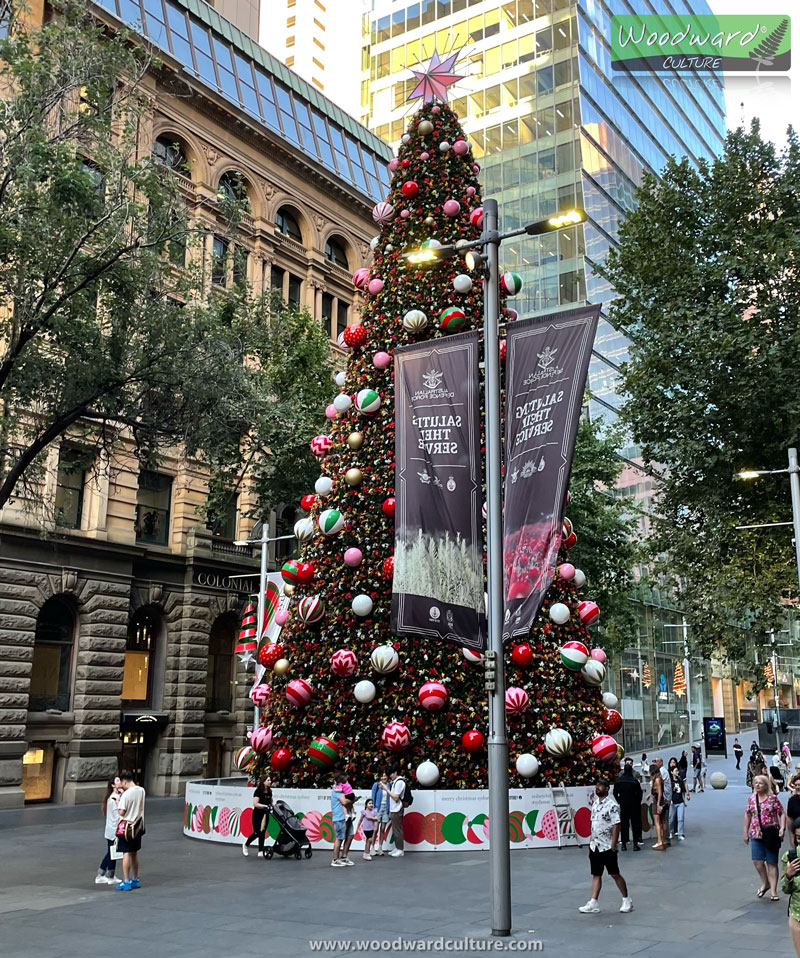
x: 499, y: 853
x: 794, y: 482
x: 262, y: 589
x: 775, y: 692
x: 687, y: 677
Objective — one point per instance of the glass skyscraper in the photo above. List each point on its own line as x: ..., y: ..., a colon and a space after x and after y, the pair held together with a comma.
x: 552, y: 126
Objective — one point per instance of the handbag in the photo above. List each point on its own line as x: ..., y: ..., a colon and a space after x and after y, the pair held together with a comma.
x: 116, y: 854
x: 130, y: 831
x: 770, y: 834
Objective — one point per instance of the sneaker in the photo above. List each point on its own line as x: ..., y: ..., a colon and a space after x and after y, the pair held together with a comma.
x: 124, y: 886
x: 348, y: 861
x: 627, y: 905
x: 378, y: 851
x: 245, y: 852
x: 366, y: 857
x: 100, y: 880
x: 681, y: 838
x: 590, y: 908
x: 397, y: 853
x: 337, y: 863
x: 135, y: 883
x: 637, y: 848
x: 113, y: 881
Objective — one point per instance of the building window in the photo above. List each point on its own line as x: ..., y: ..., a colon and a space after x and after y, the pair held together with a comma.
x: 341, y: 318
x: 240, y: 260
x: 69, y: 489
x: 295, y: 290
x: 52, y: 657
x: 232, y: 188
x: 224, y: 524
x: 153, y: 507
x: 219, y: 261
x: 169, y: 151
x: 334, y: 253
x: 285, y: 519
x: 276, y: 275
x: 139, y: 657
x: 219, y: 675
x: 286, y: 223
x: 290, y: 21
x: 327, y: 313
x: 290, y: 61
x: 38, y: 765
x: 290, y: 41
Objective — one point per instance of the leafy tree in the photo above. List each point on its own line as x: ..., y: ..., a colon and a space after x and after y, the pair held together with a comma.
x: 708, y: 282
x: 102, y: 337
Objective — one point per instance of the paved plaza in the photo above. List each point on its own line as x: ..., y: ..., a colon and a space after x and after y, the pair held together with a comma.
x: 202, y: 899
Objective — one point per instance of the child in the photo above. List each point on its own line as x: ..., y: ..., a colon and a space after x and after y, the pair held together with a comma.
x: 368, y: 820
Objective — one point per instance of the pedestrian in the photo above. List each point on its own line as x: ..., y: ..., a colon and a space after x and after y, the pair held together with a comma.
x: 396, y: 789
x: 764, y: 825
x: 667, y: 780
x: 793, y: 809
x: 262, y: 805
x: 787, y: 755
x: 342, y: 824
x: 776, y: 772
x: 680, y: 796
x: 350, y: 814
x: 603, y: 848
x: 697, y: 769
x: 645, y: 768
x: 738, y: 751
x: 368, y: 821
x: 380, y: 799
x: 683, y: 765
x: 658, y: 800
x: 105, y: 873
x: 130, y: 829
x: 791, y: 885
x: 755, y: 766
x: 628, y: 795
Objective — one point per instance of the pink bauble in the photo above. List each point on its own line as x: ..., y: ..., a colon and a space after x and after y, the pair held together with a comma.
x: 344, y: 662
x: 567, y: 571
x: 353, y: 557
x: 381, y: 360
x: 404, y: 214
x: 259, y: 694
x: 360, y: 277
x: 436, y: 109
x: 476, y: 167
x: 396, y: 737
x: 461, y: 147
x: 382, y: 212
x: 341, y: 343
x: 589, y: 612
x: 604, y: 748
x: 281, y: 617
x: 432, y: 696
x: 516, y: 700
x: 425, y: 155
x: 330, y: 411
x: 598, y: 655
x: 452, y: 207
x: 470, y: 191
x: 261, y: 739
x: 298, y: 693
x: 311, y: 821
x: 375, y: 286
x: 393, y: 164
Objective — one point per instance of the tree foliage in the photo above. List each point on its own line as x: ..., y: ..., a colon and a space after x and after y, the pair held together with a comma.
x: 102, y: 335
x: 708, y: 282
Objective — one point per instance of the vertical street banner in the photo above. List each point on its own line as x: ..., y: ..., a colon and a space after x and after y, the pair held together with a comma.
x: 547, y: 359
x: 438, y: 584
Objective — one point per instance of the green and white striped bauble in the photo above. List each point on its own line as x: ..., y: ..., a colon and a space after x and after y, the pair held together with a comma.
x: 331, y: 521
x: 512, y: 283
x: 368, y: 401
x: 452, y: 319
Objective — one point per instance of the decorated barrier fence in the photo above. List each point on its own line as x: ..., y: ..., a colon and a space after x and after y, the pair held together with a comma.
x: 439, y: 820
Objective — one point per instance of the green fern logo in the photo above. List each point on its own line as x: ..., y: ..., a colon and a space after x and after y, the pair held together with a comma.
x: 765, y: 52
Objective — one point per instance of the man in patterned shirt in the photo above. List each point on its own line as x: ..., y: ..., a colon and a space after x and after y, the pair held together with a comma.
x: 603, y: 848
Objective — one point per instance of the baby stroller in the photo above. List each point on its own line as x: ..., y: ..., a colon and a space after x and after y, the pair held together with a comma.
x: 292, y: 838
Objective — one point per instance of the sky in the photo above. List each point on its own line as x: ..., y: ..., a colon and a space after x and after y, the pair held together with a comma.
x: 773, y: 97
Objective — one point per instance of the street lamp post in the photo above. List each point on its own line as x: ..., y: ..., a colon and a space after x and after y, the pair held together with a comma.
x: 490, y: 240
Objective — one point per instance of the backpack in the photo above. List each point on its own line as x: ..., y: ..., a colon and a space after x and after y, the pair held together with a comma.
x: 408, y: 796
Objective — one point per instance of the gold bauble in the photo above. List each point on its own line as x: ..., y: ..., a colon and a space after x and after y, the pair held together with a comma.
x: 281, y: 667
x: 353, y: 477
x: 288, y: 589
x: 355, y: 440
x: 620, y: 752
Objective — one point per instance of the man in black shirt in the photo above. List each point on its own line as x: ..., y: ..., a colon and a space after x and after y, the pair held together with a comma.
x: 738, y: 751
x: 628, y: 794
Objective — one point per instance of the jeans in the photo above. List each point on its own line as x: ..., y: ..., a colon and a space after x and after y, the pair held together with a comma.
x: 676, y: 819
x: 396, y: 819
x: 108, y: 865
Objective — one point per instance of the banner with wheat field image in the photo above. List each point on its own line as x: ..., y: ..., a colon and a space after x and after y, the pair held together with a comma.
x: 438, y: 584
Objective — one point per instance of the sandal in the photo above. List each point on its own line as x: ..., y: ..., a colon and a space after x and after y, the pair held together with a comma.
x: 774, y: 898
x: 761, y: 892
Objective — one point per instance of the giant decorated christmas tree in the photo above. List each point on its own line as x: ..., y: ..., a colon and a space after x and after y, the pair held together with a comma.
x: 340, y: 690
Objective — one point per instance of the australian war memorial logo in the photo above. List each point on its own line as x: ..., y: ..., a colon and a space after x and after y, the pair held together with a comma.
x: 546, y: 368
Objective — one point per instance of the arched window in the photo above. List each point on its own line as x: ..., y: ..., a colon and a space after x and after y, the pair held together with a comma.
x: 137, y: 679
x: 219, y: 677
x: 335, y: 252
x: 285, y: 518
x: 169, y: 151
x: 286, y: 223
x: 233, y: 189
x: 52, y: 657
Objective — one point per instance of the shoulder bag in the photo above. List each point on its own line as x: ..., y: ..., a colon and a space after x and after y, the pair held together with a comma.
x: 770, y: 834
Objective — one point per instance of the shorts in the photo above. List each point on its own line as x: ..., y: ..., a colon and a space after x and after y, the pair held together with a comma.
x: 760, y: 853
x: 600, y: 860
x: 133, y: 844
x: 382, y: 818
x: 343, y: 830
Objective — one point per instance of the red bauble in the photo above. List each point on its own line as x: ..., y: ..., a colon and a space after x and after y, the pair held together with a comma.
x: 270, y: 654
x: 281, y: 759
x: 388, y: 507
x: 405, y: 163
x: 472, y: 741
x: 502, y: 350
x: 306, y: 571
x: 307, y: 503
x: 410, y: 189
x: 387, y: 570
x: 355, y: 336
x: 612, y: 721
x: 522, y: 655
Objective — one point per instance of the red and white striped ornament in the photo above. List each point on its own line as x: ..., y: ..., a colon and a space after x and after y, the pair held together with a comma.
x: 589, y: 612
x: 383, y: 212
x: 471, y: 656
x: 516, y: 700
x: 311, y: 609
x: 259, y: 694
x: 604, y: 748
x: 476, y: 217
x: 396, y: 737
x: 321, y: 446
x: 261, y: 739
x: 247, y: 641
x: 298, y: 693
x: 344, y: 662
x: 432, y: 696
x: 574, y: 655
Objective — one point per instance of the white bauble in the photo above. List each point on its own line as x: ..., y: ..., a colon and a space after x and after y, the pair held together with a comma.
x: 610, y: 700
x: 427, y: 774
x: 361, y: 605
x: 364, y: 691
x: 323, y: 486
x: 579, y: 579
x: 444, y: 146
x: 340, y: 377
x: 593, y: 672
x: 304, y: 529
x: 527, y: 765
x: 374, y: 242
x: 342, y: 402
x: 559, y: 613
x: 558, y: 741
x: 415, y: 320
x: 405, y: 138
x: 462, y: 283
x: 384, y: 659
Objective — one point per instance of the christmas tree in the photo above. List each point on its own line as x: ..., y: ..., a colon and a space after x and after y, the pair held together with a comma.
x: 344, y: 691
